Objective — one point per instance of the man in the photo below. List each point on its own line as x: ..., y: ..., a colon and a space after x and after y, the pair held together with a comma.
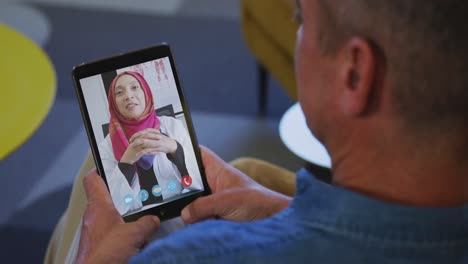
x: 383, y: 86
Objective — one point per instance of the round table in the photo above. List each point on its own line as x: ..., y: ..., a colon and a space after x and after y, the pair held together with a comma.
x: 298, y: 139
x: 28, y: 88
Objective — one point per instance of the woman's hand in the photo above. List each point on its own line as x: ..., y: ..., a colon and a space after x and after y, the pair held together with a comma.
x: 148, y: 142
x: 105, y: 237
x: 235, y: 196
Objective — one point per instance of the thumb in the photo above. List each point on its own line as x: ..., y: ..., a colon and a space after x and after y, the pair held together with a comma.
x: 142, y: 230
x: 213, y: 165
x: 215, y: 205
x: 95, y: 188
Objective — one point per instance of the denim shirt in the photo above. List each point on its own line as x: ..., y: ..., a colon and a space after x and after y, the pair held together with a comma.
x: 324, y: 224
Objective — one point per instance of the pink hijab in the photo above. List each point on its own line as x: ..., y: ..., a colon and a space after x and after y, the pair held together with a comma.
x: 122, y: 129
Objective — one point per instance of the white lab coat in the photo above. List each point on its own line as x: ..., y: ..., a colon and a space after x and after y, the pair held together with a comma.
x: 164, y: 169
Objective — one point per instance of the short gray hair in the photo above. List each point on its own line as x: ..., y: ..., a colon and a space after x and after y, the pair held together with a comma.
x: 424, y: 47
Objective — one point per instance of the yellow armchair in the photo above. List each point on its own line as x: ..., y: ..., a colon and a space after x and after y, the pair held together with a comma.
x: 270, y: 34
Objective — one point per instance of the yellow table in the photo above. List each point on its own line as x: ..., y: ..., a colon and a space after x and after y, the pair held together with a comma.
x: 27, y: 88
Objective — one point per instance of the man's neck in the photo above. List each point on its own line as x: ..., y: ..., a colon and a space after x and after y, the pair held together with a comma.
x: 429, y: 175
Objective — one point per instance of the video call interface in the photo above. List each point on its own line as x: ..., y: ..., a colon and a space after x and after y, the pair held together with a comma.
x: 141, y: 132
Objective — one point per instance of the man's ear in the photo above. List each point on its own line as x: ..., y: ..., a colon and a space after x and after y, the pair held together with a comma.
x: 357, y: 76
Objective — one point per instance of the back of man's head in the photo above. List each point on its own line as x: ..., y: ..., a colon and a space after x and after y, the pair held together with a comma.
x: 423, y: 46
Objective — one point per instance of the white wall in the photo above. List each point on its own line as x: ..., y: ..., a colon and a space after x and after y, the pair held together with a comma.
x: 96, y: 103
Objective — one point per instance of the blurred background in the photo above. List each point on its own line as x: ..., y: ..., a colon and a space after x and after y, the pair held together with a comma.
x: 220, y: 75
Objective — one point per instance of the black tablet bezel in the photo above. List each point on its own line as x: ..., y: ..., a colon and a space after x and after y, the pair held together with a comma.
x: 168, y: 210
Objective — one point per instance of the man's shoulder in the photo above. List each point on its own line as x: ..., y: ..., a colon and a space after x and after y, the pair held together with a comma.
x: 202, y: 236
x: 215, y: 241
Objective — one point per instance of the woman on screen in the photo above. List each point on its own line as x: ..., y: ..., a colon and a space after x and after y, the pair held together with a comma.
x: 147, y: 159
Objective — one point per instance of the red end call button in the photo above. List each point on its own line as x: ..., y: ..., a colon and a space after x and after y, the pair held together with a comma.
x: 186, y: 181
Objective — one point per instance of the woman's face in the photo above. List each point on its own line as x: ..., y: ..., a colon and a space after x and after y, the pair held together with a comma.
x: 129, y: 97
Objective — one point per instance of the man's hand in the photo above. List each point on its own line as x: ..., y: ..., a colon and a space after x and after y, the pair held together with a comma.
x: 235, y: 196
x: 105, y: 237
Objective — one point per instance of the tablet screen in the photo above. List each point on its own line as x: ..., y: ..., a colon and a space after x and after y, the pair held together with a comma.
x: 141, y: 133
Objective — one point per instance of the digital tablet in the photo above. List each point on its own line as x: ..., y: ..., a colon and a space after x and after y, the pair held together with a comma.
x: 141, y: 133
